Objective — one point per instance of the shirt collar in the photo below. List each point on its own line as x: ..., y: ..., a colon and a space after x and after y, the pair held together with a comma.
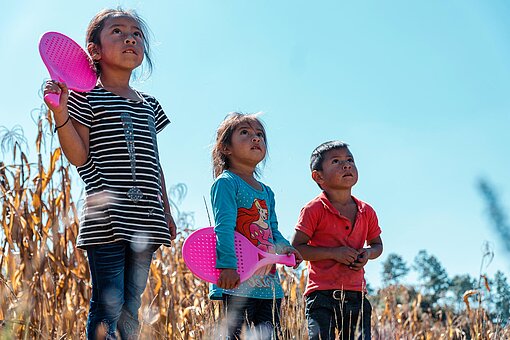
x: 328, y: 205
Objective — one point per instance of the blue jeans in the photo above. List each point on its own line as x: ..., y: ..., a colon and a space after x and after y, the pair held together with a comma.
x: 119, y: 274
x: 349, y: 312
x: 263, y: 314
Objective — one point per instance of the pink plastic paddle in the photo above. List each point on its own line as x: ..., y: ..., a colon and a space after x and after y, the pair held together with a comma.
x: 67, y: 62
x: 199, y: 253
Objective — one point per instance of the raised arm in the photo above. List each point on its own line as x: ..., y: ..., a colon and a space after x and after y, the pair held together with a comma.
x: 73, y: 136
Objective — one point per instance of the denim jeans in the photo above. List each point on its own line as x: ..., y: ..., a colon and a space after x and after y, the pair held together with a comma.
x: 262, y: 314
x: 347, y: 312
x: 119, y: 274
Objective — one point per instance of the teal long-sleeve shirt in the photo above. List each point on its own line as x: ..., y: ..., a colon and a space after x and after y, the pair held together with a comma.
x: 238, y: 206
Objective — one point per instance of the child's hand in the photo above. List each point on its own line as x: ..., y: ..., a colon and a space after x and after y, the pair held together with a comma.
x: 291, y: 250
x: 53, y: 86
x: 345, y: 255
x: 361, y: 261
x: 229, y: 279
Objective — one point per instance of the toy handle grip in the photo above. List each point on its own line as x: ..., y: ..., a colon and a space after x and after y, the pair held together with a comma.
x: 288, y: 260
x: 53, y: 98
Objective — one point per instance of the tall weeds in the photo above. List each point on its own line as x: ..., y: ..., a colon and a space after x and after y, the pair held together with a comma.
x: 44, y: 278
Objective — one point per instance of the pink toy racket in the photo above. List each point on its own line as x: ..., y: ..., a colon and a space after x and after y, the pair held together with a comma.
x: 199, y: 253
x: 67, y: 62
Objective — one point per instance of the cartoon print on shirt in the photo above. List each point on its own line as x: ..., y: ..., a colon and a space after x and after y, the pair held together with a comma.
x: 252, y: 223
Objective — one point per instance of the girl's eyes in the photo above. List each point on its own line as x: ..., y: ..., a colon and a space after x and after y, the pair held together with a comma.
x: 335, y: 161
x: 136, y: 34
x: 246, y: 132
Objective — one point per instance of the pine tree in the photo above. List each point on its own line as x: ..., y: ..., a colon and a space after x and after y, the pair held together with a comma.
x: 502, y: 298
x: 394, y: 268
x: 432, y: 274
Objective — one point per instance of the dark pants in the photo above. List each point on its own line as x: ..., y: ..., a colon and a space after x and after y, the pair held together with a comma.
x: 262, y: 314
x: 119, y: 274
x: 347, y: 312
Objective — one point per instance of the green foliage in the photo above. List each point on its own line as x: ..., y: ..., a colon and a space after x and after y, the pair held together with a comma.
x: 460, y: 284
x: 502, y: 298
x: 394, y: 269
x: 432, y: 274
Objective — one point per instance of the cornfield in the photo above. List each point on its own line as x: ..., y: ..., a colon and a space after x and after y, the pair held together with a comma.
x: 45, y: 287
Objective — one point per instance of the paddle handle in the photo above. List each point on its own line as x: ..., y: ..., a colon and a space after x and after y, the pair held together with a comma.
x: 53, y: 98
x: 288, y: 260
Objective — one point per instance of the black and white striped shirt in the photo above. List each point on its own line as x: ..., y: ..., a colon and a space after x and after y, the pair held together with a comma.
x: 122, y: 184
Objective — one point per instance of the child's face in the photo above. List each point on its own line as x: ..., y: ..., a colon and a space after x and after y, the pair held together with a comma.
x: 121, y: 44
x: 248, y: 145
x: 338, y: 172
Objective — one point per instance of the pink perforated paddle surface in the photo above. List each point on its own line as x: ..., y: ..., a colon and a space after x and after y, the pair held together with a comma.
x: 199, y: 254
x: 66, y: 62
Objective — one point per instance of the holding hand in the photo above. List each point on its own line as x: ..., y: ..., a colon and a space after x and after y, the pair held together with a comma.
x: 361, y: 261
x: 291, y: 250
x: 229, y: 279
x: 55, y: 87
x: 345, y: 255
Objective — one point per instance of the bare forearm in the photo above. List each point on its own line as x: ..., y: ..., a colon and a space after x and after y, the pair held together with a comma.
x: 172, y: 227
x: 310, y: 253
x: 73, y: 146
x: 166, y: 204
x: 374, y: 250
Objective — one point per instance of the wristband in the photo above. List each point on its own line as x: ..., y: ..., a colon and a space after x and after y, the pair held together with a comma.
x: 58, y: 127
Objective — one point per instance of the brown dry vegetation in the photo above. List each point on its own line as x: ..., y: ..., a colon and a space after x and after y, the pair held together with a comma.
x: 45, y: 288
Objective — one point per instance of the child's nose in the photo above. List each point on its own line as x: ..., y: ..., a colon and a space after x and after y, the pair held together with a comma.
x: 347, y: 166
x: 130, y: 40
x: 256, y: 138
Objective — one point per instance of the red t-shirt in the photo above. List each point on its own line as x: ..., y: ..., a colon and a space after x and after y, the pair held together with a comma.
x: 326, y: 227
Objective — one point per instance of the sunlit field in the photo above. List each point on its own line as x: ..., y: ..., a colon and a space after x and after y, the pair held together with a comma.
x: 45, y: 286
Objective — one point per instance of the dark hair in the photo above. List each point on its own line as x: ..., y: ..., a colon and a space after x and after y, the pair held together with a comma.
x: 320, y: 152
x: 96, y: 26
x: 224, y: 134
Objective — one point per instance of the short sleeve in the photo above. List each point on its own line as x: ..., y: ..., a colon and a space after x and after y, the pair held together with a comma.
x: 80, y: 109
x: 161, y: 118
x: 307, y: 220
x: 373, y: 223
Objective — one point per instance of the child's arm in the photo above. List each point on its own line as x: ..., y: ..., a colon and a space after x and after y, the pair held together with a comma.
x: 225, y: 214
x: 166, y: 207
x: 282, y: 245
x: 73, y: 136
x: 344, y: 255
x: 373, y: 251
x: 229, y: 279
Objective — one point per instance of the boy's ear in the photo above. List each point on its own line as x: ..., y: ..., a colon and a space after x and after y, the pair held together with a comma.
x: 93, y: 51
x: 317, y: 177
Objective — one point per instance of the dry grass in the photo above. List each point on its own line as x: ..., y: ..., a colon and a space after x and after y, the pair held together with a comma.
x: 45, y: 288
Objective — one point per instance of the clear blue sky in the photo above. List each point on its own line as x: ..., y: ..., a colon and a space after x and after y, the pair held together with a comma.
x: 420, y: 90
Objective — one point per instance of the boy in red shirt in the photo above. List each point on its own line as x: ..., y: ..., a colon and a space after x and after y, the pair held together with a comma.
x: 331, y: 234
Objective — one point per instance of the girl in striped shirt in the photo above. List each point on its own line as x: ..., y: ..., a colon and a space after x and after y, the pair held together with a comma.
x: 109, y: 134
